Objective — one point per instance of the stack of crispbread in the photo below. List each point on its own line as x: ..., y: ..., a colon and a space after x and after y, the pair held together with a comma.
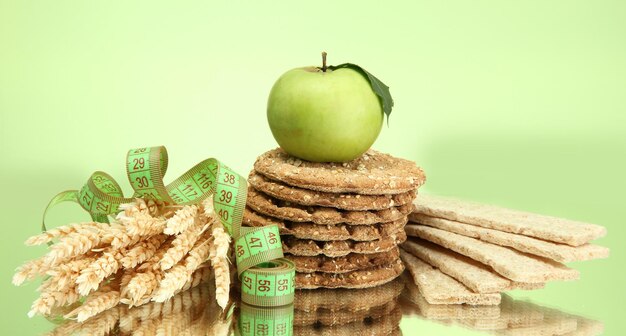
x: 461, y: 252
x: 340, y: 223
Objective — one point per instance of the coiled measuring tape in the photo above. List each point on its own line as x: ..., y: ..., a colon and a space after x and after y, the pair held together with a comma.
x: 257, y: 321
x: 267, y: 278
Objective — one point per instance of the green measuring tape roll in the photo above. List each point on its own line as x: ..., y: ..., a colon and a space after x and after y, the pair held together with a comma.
x: 101, y: 196
x: 269, y: 283
x: 255, y: 321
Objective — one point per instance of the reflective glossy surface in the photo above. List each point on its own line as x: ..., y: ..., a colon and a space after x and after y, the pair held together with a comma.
x: 391, y: 309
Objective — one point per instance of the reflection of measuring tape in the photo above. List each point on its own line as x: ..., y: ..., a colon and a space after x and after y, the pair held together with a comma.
x: 145, y: 168
x: 255, y: 321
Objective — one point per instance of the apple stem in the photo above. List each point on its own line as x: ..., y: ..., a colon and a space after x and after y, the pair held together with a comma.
x: 324, y: 61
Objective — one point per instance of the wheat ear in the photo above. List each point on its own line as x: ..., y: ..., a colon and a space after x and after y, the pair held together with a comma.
x: 91, y: 277
x: 30, y: 270
x: 181, y: 220
x: 177, y: 276
x: 50, y: 299
x: 142, y: 251
x: 106, y: 297
x: 72, y: 245
x: 63, y: 231
x: 65, y: 275
x: 183, y: 243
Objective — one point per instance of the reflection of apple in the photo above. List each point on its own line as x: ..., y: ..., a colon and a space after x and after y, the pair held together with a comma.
x: 324, y: 115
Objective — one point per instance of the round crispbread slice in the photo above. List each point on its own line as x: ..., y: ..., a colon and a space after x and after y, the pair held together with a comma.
x: 325, y: 232
x: 364, y: 278
x: 325, y: 317
x: 373, y: 173
x: 308, y: 197
x: 266, y: 205
x: 347, y: 299
x: 345, y: 264
x: 386, y: 325
x: 338, y: 248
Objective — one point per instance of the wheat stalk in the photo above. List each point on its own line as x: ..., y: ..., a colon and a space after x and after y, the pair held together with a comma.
x: 218, y: 254
x: 130, y: 261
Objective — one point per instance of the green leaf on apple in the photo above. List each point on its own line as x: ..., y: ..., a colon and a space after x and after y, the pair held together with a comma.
x: 381, y: 90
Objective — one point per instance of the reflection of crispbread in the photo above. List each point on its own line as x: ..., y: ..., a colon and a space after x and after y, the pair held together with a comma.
x: 348, y: 263
x: 268, y: 206
x: 446, y: 311
x: 439, y: 288
x: 539, y: 226
x: 327, y: 317
x: 387, y: 325
x: 542, y: 248
x: 372, y: 173
x: 365, y: 278
x: 511, y: 317
x: 338, y: 248
x: 347, y: 299
x: 513, y: 314
x: 507, y: 262
x: 318, y: 198
x: 325, y: 232
x: 478, y: 277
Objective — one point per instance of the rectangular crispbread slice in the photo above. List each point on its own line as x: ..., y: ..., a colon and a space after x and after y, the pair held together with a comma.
x: 507, y: 262
x: 447, y: 311
x: 475, y: 275
x: 555, y: 251
x: 438, y: 288
x: 540, y: 226
x: 526, y: 285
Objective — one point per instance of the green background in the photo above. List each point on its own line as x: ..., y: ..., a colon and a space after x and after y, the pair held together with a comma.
x: 517, y: 103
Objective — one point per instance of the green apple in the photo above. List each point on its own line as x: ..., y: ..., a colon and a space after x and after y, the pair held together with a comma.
x: 324, y: 115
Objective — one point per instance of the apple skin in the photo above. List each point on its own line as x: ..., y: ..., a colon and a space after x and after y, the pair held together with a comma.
x: 331, y: 116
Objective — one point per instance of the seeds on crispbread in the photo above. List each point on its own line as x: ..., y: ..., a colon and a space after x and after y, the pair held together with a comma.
x: 268, y: 206
x: 439, y: 288
x: 338, y: 248
x: 325, y: 232
x: 348, y: 263
x: 365, y: 278
x: 543, y: 227
x: 373, y: 173
x: 507, y: 262
x: 308, y: 197
x: 555, y: 251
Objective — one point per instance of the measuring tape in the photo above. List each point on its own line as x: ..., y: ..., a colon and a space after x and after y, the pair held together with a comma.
x: 255, y: 321
x: 258, y: 250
